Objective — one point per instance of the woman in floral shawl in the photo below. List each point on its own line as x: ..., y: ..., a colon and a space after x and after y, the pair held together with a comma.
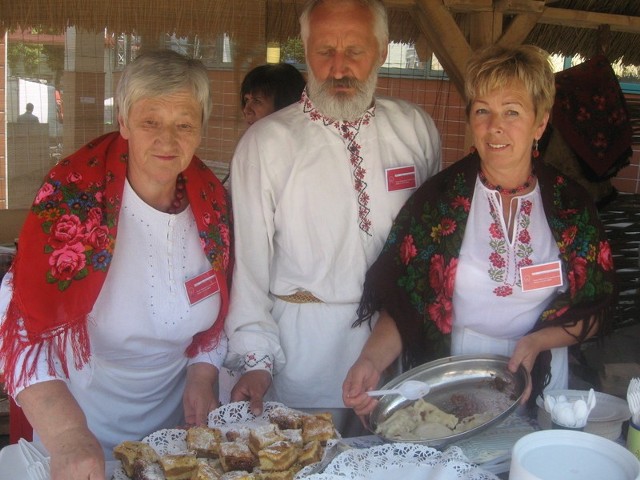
x: 497, y: 254
x: 118, y: 294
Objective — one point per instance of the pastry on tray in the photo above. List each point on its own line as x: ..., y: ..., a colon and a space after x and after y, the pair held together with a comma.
x: 273, y: 447
x: 237, y: 456
x: 264, y: 435
x: 204, y: 441
x: 129, y: 452
x: 179, y: 466
x: 278, y: 456
x: 318, y: 427
x: 310, y: 453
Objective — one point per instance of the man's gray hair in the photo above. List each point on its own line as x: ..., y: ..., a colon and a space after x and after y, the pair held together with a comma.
x: 380, y: 20
x: 162, y: 72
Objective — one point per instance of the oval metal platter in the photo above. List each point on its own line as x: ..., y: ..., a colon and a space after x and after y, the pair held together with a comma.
x: 458, y: 383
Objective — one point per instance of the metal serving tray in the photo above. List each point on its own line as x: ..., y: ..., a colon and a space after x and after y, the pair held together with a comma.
x: 484, y: 381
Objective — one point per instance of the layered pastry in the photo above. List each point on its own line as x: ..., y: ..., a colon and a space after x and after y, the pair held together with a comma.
x: 276, y: 475
x: 278, y: 456
x: 144, y: 470
x: 239, y: 476
x: 207, y: 470
x: 131, y: 451
x: 294, y: 436
x: 237, y: 456
x: 310, y: 453
x: 263, y: 436
x: 318, y: 427
x: 285, y: 419
x: 179, y: 466
x: 204, y: 441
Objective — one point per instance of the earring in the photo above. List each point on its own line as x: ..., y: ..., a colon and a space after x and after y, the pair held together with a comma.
x: 472, y: 149
x: 535, y: 152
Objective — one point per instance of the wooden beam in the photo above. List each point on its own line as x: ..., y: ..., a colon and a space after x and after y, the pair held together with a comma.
x: 468, y: 6
x: 400, y: 4
x: 519, y: 6
x: 518, y: 29
x: 485, y: 28
x: 510, y: 7
x: 448, y: 42
x: 581, y: 19
x: 550, y: 15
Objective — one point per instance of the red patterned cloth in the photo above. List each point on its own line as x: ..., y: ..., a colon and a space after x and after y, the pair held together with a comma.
x: 65, y: 250
x: 590, y: 113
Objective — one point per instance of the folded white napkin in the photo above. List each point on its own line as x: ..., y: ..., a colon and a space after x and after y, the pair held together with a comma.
x: 570, y: 413
x: 38, y: 464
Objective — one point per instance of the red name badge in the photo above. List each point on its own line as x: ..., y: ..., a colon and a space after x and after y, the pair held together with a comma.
x: 401, y: 178
x: 202, y: 286
x: 545, y: 275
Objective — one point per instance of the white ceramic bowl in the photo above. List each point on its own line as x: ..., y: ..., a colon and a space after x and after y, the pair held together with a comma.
x: 605, y: 419
x: 569, y: 455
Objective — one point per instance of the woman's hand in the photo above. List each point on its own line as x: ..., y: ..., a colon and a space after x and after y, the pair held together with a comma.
x: 55, y: 415
x: 380, y: 350
x: 77, y: 455
x: 199, y: 393
x: 525, y: 354
x: 529, y: 346
x: 361, y: 378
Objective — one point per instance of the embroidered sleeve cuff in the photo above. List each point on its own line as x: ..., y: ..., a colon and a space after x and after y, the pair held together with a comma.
x: 257, y: 361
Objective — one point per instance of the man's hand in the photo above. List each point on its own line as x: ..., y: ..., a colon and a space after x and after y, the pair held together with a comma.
x: 252, y: 386
x: 199, y: 393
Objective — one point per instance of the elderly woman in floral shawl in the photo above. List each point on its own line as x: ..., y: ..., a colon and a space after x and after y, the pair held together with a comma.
x: 119, y: 291
x: 497, y: 254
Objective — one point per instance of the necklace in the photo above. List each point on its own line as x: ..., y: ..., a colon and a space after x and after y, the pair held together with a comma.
x: 176, y: 204
x: 506, y: 191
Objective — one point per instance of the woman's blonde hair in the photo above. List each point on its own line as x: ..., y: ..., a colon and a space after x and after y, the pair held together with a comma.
x: 496, y: 66
x: 156, y: 73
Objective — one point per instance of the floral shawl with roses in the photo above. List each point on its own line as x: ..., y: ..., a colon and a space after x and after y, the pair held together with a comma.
x: 65, y: 250
x: 414, y: 276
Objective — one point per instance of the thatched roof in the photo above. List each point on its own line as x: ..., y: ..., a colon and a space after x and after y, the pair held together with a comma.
x: 568, y: 40
x: 556, y: 31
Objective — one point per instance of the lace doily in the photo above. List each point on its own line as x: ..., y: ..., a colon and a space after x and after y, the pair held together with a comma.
x: 408, y: 461
x: 239, y: 413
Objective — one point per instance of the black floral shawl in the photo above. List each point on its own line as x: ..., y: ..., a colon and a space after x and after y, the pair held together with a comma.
x: 413, y: 277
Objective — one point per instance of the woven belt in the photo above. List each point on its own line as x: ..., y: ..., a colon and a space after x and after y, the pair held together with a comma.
x: 301, y: 296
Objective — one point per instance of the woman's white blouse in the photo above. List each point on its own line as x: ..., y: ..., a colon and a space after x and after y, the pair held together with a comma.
x: 140, y: 326
x: 491, y: 312
x: 488, y: 297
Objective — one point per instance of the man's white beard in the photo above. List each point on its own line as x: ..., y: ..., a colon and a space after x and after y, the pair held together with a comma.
x: 342, y: 106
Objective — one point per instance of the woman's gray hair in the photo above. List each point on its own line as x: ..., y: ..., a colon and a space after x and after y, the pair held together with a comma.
x: 380, y: 20
x: 162, y: 72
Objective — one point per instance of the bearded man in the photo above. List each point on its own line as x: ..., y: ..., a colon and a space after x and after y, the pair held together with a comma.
x: 315, y: 189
